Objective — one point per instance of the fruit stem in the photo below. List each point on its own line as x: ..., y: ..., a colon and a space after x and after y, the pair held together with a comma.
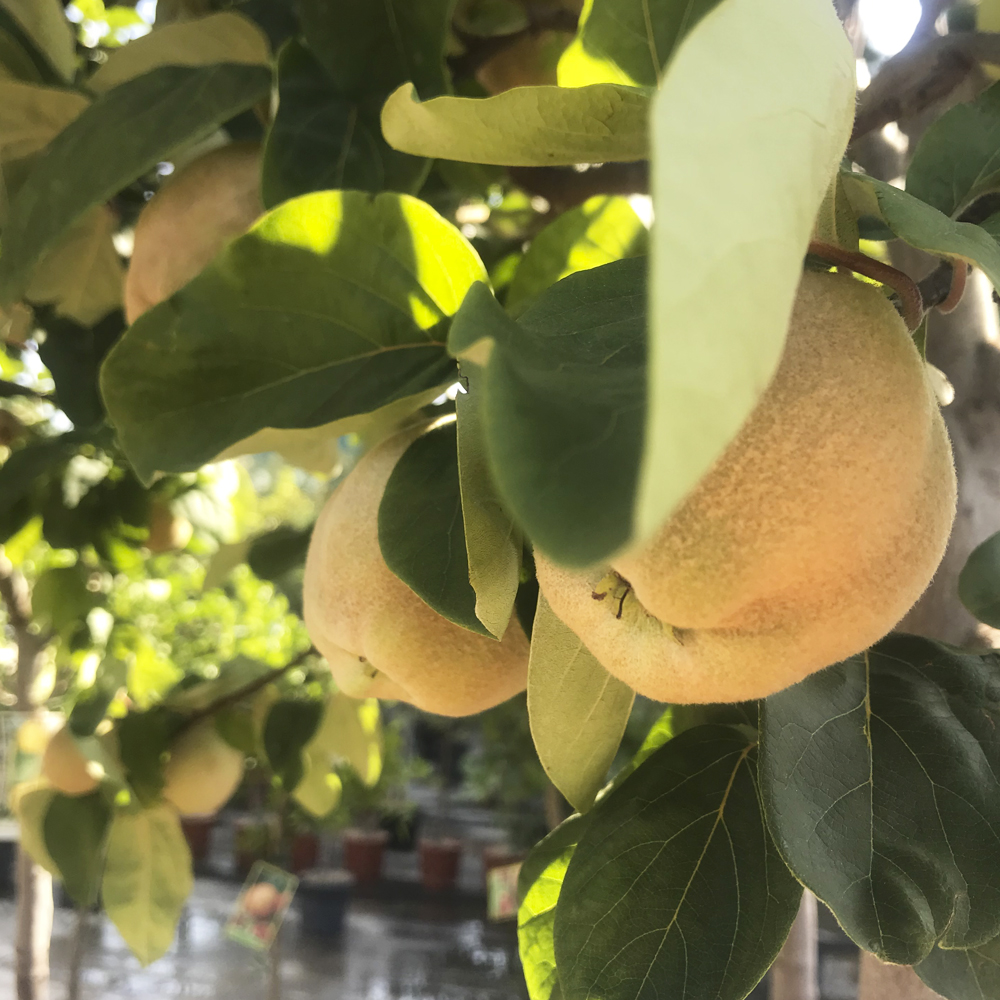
x: 959, y: 274
x: 909, y: 294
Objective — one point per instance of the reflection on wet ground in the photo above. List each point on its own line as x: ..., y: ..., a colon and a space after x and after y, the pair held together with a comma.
x: 396, y: 946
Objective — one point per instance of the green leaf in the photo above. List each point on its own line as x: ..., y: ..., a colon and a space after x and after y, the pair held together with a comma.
x: 539, y: 884
x: 226, y: 37
x: 280, y: 551
x: 963, y: 975
x: 523, y: 127
x: 676, y: 889
x: 31, y: 116
x: 60, y: 598
x: 370, y: 48
x: 881, y: 789
x: 48, y: 34
x: 979, y: 582
x: 351, y: 732
x: 290, y: 725
x: 921, y: 225
x: 421, y: 530
x: 147, y: 878
x: 322, y: 139
x: 563, y: 393
x: 29, y: 802
x: 320, y: 789
x: 144, y: 739
x: 493, y: 544
x: 739, y: 175
x: 376, y: 281
x: 628, y: 41
x: 121, y: 136
x: 578, y: 711
x: 75, y: 831
x: 958, y: 157
x: 601, y: 230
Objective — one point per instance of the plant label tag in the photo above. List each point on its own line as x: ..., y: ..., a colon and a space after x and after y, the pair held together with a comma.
x: 261, y: 906
x: 501, y: 892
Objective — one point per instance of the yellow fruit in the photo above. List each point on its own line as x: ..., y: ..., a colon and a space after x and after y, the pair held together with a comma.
x: 813, y: 534
x: 66, y: 769
x: 202, y: 772
x: 167, y: 531
x: 36, y: 732
x: 201, y: 208
x: 379, y: 638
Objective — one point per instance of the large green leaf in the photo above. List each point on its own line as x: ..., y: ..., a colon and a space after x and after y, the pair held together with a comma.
x: 676, y: 889
x: 290, y: 725
x: 880, y: 779
x: 75, y: 830
x: 578, y: 711
x: 332, y: 305
x: 604, y: 228
x: 738, y: 177
x: 121, y: 136
x: 963, y: 975
x: 226, y: 37
x: 979, y: 581
x: 564, y: 396
x: 921, y: 225
x: 421, y: 530
x: 539, y: 885
x: 958, y: 157
x: 322, y: 139
x: 147, y: 878
x: 371, y: 48
x: 30, y: 116
x: 48, y: 35
x: 628, y: 41
x: 493, y: 544
x: 526, y: 126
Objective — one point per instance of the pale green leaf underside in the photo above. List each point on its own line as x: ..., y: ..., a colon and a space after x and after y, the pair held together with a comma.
x: 578, y: 711
x: 147, y: 878
x: 738, y: 177
x: 523, y: 127
x: 923, y: 226
x: 492, y: 542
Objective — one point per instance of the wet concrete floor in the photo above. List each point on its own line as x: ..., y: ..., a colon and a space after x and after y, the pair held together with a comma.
x: 395, y: 946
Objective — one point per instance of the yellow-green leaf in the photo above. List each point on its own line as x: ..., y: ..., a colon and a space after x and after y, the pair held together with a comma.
x: 227, y: 37
x: 738, y: 177
x: 82, y: 275
x: 604, y: 228
x: 351, y: 731
x: 492, y: 542
x: 29, y: 801
x: 147, y: 878
x: 30, y: 115
x: 576, y: 708
x: 319, y: 790
x: 526, y: 126
x: 45, y: 24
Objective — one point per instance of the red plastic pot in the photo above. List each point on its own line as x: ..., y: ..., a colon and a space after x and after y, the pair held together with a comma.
x: 305, y: 852
x: 363, y: 852
x: 198, y: 834
x: 439, y: 860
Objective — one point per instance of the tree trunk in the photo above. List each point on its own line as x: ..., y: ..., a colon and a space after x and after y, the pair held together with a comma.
x: 794, y: 975
x: 33, y: 930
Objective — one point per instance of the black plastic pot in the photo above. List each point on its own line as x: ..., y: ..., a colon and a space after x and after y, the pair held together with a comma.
x: 8, y: 861
x: 323, y: 897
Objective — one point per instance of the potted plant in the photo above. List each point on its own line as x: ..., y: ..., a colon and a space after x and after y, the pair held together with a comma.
x: 439, y: 861
x: 323, y: 897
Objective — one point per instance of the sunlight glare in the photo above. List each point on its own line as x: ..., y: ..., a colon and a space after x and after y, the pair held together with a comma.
x: 888, y: 24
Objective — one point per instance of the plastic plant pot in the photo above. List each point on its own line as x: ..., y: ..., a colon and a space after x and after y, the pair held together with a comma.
x: 363, y: 853
x: 439, y: 860
x: 323, y: 897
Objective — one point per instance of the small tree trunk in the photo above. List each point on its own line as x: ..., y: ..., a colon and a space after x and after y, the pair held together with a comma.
x: 34, y: 884
x: 34, y: 929
x: 795, y: 973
